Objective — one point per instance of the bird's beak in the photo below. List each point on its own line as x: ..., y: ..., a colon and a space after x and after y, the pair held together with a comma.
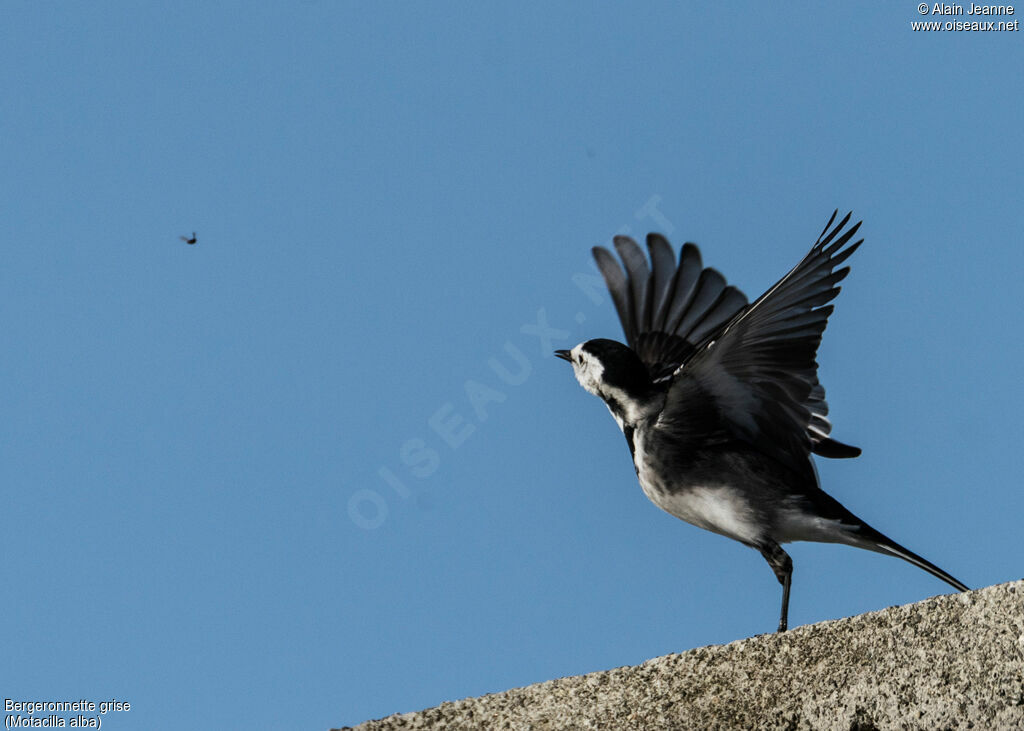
x: 564, y: 355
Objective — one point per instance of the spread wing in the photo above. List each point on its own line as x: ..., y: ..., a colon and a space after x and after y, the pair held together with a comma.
x: 761, y: 370
x: 666, y: 310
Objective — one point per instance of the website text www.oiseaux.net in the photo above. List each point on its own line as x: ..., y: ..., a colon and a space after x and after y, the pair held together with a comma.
x: 977, y: 18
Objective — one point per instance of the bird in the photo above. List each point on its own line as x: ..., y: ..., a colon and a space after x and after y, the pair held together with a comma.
x: 719, y: 399
x: 188, y: 240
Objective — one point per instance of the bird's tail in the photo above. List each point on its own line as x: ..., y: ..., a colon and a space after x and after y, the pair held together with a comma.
x: 855, y: 532
x: 872, y: 540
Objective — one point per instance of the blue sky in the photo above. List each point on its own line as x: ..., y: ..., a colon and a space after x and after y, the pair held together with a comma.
x: 322, y: 467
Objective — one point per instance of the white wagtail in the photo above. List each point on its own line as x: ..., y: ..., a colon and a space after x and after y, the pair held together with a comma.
x: 720, y: 400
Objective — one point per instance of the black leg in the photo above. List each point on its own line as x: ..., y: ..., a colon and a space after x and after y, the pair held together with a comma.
x: 782, y: 565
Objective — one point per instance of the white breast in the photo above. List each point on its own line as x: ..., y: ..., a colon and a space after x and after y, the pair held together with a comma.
x: 720, y: 509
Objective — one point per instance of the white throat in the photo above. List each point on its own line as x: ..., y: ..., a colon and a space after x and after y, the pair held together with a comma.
x: 590, y: 374
x: 588, y: 371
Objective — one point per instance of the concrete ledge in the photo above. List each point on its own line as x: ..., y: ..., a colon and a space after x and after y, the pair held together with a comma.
x: 953, y: 661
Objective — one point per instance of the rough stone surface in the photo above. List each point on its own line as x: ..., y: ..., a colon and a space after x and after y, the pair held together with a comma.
x: 953, y: 661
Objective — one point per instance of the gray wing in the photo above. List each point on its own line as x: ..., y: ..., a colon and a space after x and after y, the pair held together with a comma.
x: 666, y: 310
x: 761, y: 369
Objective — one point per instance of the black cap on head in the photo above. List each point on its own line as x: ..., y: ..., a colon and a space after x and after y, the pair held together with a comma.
x: 622, y: 366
